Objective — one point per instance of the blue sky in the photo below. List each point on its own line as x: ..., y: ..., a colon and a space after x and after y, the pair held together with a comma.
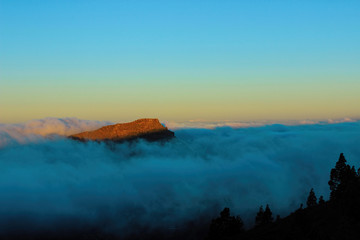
x: 119, y: 60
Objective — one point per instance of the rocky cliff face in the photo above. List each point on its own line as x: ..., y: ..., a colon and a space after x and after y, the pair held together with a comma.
x: 149, y: 129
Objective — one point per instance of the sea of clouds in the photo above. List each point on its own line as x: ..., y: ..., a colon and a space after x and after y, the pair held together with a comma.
x: 47, y: 179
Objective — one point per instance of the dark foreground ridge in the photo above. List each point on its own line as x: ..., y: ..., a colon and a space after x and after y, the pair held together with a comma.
x: 149, y: 129
x: 335, y: 219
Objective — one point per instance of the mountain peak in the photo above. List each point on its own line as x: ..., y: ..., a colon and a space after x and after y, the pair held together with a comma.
x: 147, y: 128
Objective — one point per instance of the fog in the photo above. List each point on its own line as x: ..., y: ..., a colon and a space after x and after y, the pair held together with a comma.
x: 45, y: 181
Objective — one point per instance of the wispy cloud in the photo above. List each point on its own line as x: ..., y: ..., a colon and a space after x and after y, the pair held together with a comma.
x: 200, y: 123
x: 35, y: 129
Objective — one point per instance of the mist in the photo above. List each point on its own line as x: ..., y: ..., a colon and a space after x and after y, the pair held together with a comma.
x: 48, y: 181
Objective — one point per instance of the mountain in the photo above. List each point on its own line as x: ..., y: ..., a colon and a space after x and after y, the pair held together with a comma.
x: 149, y: 129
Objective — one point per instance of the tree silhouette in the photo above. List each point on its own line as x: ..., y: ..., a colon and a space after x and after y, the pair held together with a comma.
x: 342, y: 178
x: 259, y: 216
x: 337, y: 175
x: 321, y: 220
x: 263, y: 217
x: 224, y: 214
x: 268, y: 218
x: 311, y: 200
x: 225, y: 226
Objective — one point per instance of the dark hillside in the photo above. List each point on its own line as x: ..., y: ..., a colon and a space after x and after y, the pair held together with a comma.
x: 338, y: 218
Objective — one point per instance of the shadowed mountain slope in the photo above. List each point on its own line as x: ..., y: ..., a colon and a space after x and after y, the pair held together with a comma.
x: 146, y: 128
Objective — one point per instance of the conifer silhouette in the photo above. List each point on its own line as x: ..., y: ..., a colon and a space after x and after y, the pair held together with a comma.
x: 315, y: 222
x: 264, y: 217
x: 342, y: 179
x: 337, y: 175
x: 259, y: 216
x: 225, y: 225
x: 311, y: 200
x: 268, y: 218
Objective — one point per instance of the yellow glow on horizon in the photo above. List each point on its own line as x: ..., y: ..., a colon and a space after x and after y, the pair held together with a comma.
x: 181, y: 101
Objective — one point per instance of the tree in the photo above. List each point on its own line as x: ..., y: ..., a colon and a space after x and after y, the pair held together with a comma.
x: 268, y: 218
x: 311, y: 200
x: 321, y: 200
x: 263, y: 217
x: 259, y: 216
x: 224, y: 214
x: 225, y: 225
x: 341, y: 178
x: 353, y: 171
x: 337, y: 175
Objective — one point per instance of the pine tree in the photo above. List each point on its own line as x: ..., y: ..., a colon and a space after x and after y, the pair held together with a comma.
x: 353, y: 171
x: 301, y: 206
x: 321, y: 200
x: 225, y: 225
x: 238, y: 224
x: 342, y: 179
x: 259, y: 216
x: 311, y: 200
x: 337, y: 175
x: 225, y: 213
x: 267, y: 215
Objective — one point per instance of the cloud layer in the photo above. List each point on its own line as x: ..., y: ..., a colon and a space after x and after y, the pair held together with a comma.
x: 164, y: 186
x: 199, y: 123
x: 36, y: 129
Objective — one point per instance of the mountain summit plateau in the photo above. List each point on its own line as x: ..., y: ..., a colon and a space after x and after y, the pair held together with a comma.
x: 147, y: 128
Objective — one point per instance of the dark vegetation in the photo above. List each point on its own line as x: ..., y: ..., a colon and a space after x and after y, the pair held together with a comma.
x: 226, y: 225
x: 338, y: 218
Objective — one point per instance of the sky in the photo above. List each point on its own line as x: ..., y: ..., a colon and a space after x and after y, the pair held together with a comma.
x: 179, y: 60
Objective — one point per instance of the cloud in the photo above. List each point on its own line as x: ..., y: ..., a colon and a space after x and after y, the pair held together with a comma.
x: 211, y: 125
x: 200, y: 123
x: 35, y: 129
x: 130, y: 187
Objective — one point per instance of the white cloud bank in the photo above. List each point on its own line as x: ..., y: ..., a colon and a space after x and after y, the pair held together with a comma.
x: 152, y: 185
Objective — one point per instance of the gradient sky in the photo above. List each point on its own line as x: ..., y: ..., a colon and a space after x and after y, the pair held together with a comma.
x: 179, y: 60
